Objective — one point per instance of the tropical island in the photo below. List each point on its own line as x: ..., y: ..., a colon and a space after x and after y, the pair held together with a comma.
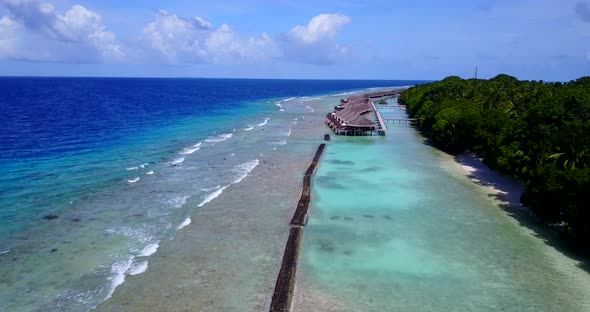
x: 537, y: 131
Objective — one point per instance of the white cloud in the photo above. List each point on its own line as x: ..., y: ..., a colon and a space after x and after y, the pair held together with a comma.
x: 35, y: 31
x: 195, y: 40
x: 173, y: 36
x: 314, y: 43
x: 321, y: 27
x: 60, y: 36
x: 7, y: 30
x: 12, y: 45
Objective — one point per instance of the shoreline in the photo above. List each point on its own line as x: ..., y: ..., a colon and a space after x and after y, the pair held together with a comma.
x: 504, y: 189
x: 229, y: 256
x: 334, y: 250
x: 505, y: 193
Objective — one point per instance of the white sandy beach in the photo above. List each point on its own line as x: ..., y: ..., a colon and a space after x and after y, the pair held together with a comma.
x: 506, y: 189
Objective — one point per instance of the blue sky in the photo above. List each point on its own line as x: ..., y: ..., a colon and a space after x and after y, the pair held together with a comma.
x: 530, y: 39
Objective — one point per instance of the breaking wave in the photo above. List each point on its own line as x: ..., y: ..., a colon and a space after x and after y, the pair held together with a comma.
x: 220, y: 138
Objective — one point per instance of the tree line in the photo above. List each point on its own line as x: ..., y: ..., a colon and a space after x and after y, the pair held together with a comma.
x: 535, y: 130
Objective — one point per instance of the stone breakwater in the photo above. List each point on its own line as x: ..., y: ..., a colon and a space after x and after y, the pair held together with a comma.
x: 285, y: 285
x: 300, y: 216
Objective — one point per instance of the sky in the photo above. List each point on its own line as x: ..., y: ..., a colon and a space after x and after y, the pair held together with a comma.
x: 325, y: 39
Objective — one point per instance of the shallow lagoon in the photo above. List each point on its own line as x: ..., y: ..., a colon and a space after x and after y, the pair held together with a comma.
x: 396, y: 226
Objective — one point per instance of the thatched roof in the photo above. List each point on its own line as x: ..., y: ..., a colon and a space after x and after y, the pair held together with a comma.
x: 351, y: 110
x: 361, y: 121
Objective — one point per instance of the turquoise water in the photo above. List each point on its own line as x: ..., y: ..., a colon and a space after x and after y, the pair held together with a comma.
x: 395, y: 227
x: 120, y: 167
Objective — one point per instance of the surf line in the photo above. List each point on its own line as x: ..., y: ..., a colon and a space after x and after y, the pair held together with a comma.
x: 282, y: 297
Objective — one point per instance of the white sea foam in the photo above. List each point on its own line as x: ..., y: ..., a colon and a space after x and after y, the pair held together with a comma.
x: 261, y: 154
x: 264, y: 122
x: 244, y: 169
x: 177, y: 161
x: 288, y: 133
x: 138, y: 234
x: 132, y: 168
x: 184, y: 223
x: 177, y: 202
x: 133, y: 180
x: 190, y: 150
x: 220, y: 138
x: 3, y: 252
x: 289, y: 99
x: 280, y: 106
x: 143, y: 165
x: 345, y: 93
x: 118, y: 269
x: 274, y: 148
x: 281, y: 142
x: 249, y: 128
x: 138, y: 268
x: 212, y: 196
x: 149, y: 172
x: 310, y: 109
x: 210, y: 189
x: 232, y: 155
x: 149, y: 250
x: 311, y: 99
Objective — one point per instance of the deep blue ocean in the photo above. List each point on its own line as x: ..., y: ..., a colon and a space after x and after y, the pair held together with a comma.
x: 72, y: 150
x: 61, y: 137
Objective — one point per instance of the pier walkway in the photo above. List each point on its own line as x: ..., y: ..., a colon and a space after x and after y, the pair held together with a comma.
x: 390, y: 107
x: 407, y: 121
x: 382, y: 124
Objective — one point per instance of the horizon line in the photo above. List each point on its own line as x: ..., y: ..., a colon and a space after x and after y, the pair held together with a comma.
x: 186, y: 77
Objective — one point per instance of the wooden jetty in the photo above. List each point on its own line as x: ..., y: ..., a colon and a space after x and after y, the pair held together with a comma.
x: 390, y: 107
x: 382, y: 124
x: 406, y: 121
x: 358, y: 115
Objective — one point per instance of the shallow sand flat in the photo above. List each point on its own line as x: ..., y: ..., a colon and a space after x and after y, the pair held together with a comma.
x: 228, y: 257
x: 225, y: 259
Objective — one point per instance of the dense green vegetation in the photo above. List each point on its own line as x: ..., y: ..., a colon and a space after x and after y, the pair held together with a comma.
x: 535, y: 130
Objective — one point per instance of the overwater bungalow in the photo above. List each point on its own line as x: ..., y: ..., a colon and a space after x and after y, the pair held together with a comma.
x: 357, y: 115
